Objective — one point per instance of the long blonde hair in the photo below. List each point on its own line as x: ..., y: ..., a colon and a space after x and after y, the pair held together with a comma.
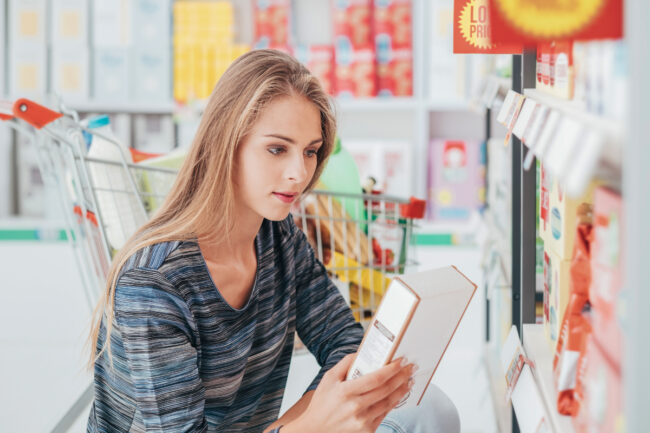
x: 200, y: 202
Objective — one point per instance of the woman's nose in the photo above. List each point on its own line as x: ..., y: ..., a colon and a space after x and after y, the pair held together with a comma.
x: 297, y: 170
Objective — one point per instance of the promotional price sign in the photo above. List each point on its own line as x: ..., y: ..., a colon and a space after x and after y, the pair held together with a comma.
x: 473, y: 30
x: 532, y: 21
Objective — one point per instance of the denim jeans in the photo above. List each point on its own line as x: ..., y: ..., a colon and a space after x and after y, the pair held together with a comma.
x: 435, y: 414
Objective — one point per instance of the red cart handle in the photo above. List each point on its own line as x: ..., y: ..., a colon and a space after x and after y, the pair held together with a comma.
x: 36, y: 115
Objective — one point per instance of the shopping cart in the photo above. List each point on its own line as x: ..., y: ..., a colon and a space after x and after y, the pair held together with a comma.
x: 363, y: 239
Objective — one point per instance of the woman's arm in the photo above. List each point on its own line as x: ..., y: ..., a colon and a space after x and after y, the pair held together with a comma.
x: 293, y: 413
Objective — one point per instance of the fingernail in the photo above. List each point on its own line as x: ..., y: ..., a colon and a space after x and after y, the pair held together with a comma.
x: 404, y: 362
x: 411, y: 382
x: 414, y: 368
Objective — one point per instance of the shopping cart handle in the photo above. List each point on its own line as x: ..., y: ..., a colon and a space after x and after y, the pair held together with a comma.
x: 36, y: 115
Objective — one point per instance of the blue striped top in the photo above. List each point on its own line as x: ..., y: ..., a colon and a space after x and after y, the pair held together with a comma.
x: 185, y: 360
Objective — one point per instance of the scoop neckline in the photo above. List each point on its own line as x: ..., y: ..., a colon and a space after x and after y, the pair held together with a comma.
x: 253, y: 293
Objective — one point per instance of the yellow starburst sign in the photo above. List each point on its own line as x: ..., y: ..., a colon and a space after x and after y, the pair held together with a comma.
x: 472, y: 29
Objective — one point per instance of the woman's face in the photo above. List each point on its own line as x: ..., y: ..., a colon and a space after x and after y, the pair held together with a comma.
x: 277, y: 160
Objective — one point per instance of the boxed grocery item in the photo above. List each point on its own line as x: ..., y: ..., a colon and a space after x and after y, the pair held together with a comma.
x: 28, y: 72
x: 353, y: 22
x: 388, y: 162
x: 153, y: 133
x: 544, y: 66
x: 27, y: 20
x: 111, y: 23
x: 545, y: 182
x: 602, y: 408
x: 319, y: 59
x: 456, y: 178
x: 395, y: 72
x: 562, y: 71
x: 152, y: 74
x: 354, y: 71
x: 111, y: 74
x: 392, y: 24
x: 70, y: 73
x: 69, y: 23
x: 563, y: 218
x: 606, y: 265
x: 272, y: 22
x: 556, y: 294
x: 152, y: 22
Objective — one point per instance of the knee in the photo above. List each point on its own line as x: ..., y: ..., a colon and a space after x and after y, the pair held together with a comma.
x: 443, y: 416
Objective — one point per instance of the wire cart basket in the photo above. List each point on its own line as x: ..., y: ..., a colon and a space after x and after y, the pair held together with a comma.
x: 362, y: 239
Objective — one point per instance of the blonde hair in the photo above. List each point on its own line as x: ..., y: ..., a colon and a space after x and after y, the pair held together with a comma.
x: 200, y: 202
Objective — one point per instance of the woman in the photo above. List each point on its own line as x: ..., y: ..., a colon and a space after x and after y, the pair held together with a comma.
x: 203, y: 301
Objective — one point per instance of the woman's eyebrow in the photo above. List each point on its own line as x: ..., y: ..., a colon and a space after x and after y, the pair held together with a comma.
x: 282, y: 137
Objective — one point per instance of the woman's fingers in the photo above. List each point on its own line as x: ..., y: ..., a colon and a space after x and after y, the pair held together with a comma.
x: 379, y: 410
x: 395, y: 382
x: 340, y: 370
x: 374, y: 380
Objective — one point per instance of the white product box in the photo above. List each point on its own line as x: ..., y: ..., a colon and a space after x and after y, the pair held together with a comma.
x: 69, y: 74
x: 69, y: 24
x: 28, y: 72
x: 111, y: 74
x: 27, y: 22
x: 154, y: 133
x: 152, y: 74
x: 152, y: 22
x: 388, y: 162
x: 111, y: 23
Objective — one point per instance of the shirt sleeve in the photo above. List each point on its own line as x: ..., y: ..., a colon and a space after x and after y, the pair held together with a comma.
x: 155, y: 326
x: 324, y: 321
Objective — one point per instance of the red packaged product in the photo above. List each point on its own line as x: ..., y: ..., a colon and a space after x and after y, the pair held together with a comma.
x: 355, y: 73
x: 319, y: 59
x: 352, y: 22
x: 272, y: 23
x: 393, y: 21
x: 395, y: 77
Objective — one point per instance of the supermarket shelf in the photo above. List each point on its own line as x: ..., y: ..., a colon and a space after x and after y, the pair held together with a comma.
x: 166, y: 107
x: 448, y: 106
x: 497, y: 383
x: 377, y: 104
x: 538, y: 351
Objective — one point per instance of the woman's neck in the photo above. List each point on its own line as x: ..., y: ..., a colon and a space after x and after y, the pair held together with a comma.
x: 236, y: 246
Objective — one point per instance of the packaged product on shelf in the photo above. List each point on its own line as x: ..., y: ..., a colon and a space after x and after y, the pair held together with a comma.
x: 456, y: 178
x: 562, y: 69
x: 319, y: 59
x: 545, y: 183
x: 272, y: 23
x: 606, y: 265
x: 70, y: 73
x: 111, y: 74
x: 393, y: 23
x: 595, y: 77
x: 544, y: 76
x: 563, y: 218
x: 354, y: 71
x: 153, y: 133
x: 203, y: 22
x: 556, y: 294
x: 395, y: 72
x: 388, y: 162
x: 27, y: 72
x: 602, y: 408
x: 614, y: 63
x: 69, y: 23
x: 152, y: 22
x: 27, y: 23
x: 580, y: 72
x: 353, y: 22
x: 111, y: 23
x: 152, y: 74
x: 569, y: 358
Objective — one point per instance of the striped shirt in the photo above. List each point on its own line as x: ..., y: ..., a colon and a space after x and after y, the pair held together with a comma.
x: 185, y: 360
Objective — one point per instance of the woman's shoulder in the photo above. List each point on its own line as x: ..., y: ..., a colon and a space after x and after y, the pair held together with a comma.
x: 160, y: 258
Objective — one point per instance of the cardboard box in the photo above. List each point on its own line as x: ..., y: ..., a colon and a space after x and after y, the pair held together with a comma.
x: 388, y: 162
x: 69, y: 24
x: 353, y: 23
x: 152, y: 74
x: 602, y: 408
x: 392, y: 24
x: 557, y: 286
x: 319, y: 59
x: 607, y: 273
x: 27, y: 23
x: 562, y: 71
x: 395, y: 72
x: 111, y: 23
x: 28, y: 72
x: 70, y: 73
x: 272, y: 22
x: 111, y: 74
x: 152, y: 22
x: 456, y: 178
x: 563, y: 219
x: 355, y: 71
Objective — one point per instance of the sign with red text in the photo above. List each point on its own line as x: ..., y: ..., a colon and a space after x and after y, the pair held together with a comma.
x: 473, y: 30
x: 531, y: 21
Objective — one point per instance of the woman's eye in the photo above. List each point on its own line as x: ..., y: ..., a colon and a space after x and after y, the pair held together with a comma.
x: 311, y: 153
x: 276, y: 150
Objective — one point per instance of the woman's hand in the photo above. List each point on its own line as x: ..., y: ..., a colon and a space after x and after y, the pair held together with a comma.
x: 355, y: 406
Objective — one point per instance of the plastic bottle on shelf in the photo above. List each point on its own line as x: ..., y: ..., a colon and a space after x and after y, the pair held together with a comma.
x: 119, y: 205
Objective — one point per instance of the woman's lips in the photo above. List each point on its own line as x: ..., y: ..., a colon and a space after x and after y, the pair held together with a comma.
x: 285, y: 197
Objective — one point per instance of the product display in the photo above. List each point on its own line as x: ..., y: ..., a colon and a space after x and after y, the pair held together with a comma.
x: 272, y: 23
x: 556, y: 294
x: 387, y: 162
x: 319, y: 59
x: 394, y: 47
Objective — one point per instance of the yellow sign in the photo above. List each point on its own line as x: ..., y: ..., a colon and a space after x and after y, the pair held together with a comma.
x: 474, y: 24
x: 545, y: 18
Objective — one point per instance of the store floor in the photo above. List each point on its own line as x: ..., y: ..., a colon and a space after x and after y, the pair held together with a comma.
x: 44, y: 315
